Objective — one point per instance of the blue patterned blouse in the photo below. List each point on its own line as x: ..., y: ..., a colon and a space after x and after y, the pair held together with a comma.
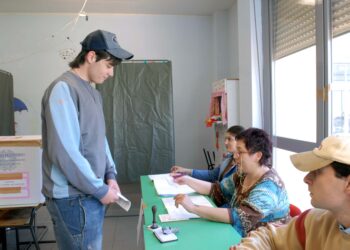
x: 265, y: 201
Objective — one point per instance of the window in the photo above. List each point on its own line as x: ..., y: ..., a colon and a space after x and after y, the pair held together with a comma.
x: 309, y: 100
x: 294, y: 97
x: 339, y: 96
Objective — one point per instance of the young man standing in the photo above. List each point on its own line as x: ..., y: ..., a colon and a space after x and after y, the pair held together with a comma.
x: 328, y: 226
x: 79, y: 176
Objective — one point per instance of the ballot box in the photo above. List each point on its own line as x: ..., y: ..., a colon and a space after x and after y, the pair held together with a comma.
x: 20, y: 171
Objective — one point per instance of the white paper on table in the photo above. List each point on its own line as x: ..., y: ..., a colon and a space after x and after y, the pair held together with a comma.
x: 180, y: 213
x: 157, y: 176
x: 168, y: 218
x: 165, y: 186
x: 123, y: 202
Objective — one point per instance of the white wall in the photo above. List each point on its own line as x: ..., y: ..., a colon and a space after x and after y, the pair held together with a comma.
x: 202, y: 49
x: 249, y: 104
x: 236, y: 57
x: 245, y: 61
x: 30, y: 46
x: 233, y: 35
x: 225, y: 66
x: 221, y: 44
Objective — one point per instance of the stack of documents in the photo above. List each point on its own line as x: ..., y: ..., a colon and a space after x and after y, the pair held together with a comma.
x: 165, y: 185
x: 179, y: 213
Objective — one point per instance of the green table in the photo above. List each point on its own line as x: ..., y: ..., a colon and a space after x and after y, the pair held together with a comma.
x: 194, y: 233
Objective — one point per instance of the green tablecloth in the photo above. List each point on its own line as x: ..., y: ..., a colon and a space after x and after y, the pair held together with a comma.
x: 194, y: 233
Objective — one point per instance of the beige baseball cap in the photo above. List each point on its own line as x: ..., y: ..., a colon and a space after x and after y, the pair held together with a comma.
x: 332, y: 148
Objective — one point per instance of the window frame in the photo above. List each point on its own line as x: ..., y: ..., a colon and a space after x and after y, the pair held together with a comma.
x: 323, y: 76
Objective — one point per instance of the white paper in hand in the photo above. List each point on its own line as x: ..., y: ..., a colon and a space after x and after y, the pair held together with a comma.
x: 123, y: 202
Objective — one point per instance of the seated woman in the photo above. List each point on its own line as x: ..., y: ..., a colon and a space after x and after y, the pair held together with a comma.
x: 255, y: 193
x: 226, y: 167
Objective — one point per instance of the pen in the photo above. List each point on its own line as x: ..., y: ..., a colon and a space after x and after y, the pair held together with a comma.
x: 178, y: 175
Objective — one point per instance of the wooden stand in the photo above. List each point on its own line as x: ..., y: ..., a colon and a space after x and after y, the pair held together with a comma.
x: 19, y: 218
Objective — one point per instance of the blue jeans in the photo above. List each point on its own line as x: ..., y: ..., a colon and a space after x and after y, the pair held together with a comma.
x: 77, y: 222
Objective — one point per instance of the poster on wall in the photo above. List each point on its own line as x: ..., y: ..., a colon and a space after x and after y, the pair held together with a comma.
x: 20, y: 171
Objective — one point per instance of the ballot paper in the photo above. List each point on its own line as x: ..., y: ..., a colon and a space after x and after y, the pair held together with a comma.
x: 180, y: 213
x: 123, y: 202
x: 165, y: 186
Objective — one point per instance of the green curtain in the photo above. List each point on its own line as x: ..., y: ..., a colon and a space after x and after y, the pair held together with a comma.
x: 7, y: 124
x: 138, y: 107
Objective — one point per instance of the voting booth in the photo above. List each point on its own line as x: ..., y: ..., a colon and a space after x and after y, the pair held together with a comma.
x: 20, y: 171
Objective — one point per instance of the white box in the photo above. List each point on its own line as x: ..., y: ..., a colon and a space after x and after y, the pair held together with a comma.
x: 20, y: 171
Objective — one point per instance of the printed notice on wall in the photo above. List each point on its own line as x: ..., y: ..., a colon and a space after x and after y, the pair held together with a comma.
x: 20, y: 176
x: 14, y: 185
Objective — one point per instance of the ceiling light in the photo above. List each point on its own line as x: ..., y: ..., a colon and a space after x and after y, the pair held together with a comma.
x: 83, y: 14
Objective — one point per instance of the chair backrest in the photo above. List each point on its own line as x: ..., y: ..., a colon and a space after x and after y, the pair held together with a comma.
x: 294, y: 210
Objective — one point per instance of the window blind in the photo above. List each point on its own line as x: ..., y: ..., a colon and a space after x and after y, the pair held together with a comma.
x: 340, y: 17
x: 294, y: 24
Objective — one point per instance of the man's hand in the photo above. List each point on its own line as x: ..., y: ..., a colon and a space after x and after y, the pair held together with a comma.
x: 113, y: 184
x: 110, y: 197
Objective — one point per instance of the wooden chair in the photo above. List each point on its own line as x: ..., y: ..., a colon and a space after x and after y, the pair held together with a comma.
x: 18, y: 218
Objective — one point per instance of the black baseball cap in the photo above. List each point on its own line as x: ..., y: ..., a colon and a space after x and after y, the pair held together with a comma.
x: 107, y: 41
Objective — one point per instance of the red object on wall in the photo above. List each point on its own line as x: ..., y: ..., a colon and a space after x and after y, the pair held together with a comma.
x: 218, y: 108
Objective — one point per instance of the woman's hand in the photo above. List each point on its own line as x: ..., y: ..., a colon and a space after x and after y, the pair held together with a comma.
x: 179, y: 169
x: 181, y: 179
x: 185, y: 201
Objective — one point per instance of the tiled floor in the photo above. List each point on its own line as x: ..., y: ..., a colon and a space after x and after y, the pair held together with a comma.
x: 119, y: 232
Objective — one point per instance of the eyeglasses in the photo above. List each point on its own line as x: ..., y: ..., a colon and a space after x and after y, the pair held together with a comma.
x: 239, y: 153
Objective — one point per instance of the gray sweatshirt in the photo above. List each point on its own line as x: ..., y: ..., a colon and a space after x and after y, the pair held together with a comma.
x: 76, y: 157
